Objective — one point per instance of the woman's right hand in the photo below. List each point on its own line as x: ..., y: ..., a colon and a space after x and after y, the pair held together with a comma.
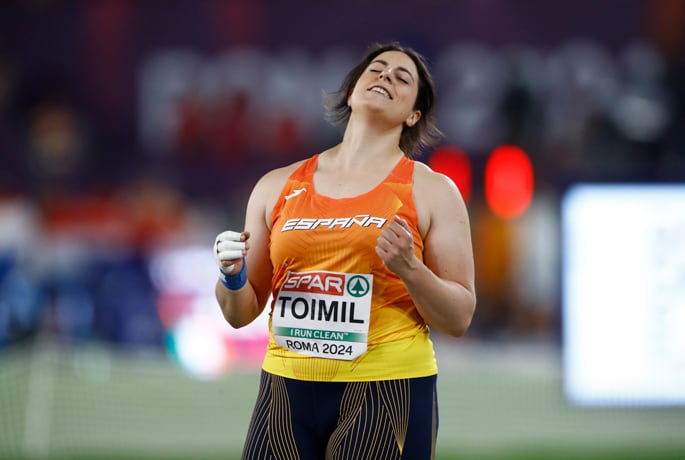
x: 229, y: 249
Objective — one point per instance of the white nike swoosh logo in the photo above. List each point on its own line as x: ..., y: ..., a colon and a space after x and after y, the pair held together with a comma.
x: 295, y: 193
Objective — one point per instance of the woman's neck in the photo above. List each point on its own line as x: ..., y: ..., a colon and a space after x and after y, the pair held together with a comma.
x: 365, y: 144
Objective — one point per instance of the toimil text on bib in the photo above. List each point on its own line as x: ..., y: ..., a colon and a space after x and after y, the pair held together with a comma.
x: 323, y: 314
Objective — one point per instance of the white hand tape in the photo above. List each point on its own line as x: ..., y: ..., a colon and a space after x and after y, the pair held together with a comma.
x: 228, y: 235
x: 228, y: 250
x: 228, y: 246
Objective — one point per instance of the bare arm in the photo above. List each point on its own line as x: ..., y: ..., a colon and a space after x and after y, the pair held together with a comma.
x: 242, y: 306
x: 443, y: 286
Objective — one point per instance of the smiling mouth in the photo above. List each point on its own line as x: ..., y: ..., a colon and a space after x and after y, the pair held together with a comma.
x: 380, y: 90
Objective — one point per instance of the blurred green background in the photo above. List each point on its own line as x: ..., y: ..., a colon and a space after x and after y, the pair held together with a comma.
x: 496, y: 402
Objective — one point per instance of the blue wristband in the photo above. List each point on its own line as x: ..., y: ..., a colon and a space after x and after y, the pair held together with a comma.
x: 235, y: 281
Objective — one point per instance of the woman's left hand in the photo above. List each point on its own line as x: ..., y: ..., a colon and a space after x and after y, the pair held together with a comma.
x: 395, y: 247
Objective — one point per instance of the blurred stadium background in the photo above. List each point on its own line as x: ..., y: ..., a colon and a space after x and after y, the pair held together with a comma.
x: 131, y: 133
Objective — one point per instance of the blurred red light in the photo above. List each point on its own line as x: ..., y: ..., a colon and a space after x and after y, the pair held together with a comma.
x: 455, y: 164
x: 509, y: 181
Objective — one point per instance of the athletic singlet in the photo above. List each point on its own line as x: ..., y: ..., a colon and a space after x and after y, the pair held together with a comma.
x: 320, y: 243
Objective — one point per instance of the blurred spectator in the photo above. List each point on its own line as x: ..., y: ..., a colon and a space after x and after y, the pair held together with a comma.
x: 20, y: 310
x: 57, y: 149
x: 666, y: 28
x: 20, y: 296
x: 155, y: 210
x: 12, y: 166
x: 492, y: 245
x: 125, y: 301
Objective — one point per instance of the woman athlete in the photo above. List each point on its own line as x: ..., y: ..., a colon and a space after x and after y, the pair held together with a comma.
x: 361, y: 249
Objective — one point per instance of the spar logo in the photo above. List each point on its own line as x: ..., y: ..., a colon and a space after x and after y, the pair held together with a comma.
x: 358, y: 286
x: 327, y: 283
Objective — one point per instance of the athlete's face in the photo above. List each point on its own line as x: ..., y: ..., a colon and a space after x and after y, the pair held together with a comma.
x: 388, y: 85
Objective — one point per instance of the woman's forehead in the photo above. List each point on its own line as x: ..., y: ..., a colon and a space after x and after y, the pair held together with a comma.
x: 397, y: 58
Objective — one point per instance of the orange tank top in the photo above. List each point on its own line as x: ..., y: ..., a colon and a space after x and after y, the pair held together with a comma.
x: 331, y: 239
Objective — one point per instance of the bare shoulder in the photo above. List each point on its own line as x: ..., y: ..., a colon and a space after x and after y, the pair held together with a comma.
x: 433, y: 186
x: 275, y: 179
x: 436, y: 197
x: 266, y: 192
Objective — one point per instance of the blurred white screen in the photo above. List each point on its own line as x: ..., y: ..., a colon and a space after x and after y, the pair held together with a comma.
x: 623, y: 278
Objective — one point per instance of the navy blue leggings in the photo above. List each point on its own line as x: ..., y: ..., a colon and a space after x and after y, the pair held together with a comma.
x: 378, y: 420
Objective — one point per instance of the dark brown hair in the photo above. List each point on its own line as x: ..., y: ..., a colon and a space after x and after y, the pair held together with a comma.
x: 425, y: 132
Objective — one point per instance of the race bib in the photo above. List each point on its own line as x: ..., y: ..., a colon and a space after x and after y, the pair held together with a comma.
x: 323, y: 314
